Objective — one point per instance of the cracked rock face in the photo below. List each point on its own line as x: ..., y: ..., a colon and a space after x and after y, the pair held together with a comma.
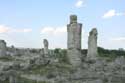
x: 92, y: 44
x: 74, y: 40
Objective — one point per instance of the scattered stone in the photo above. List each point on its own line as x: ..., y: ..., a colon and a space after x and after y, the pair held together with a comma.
x: 120, y: 60
x: 13, y: 76
x: 94, y: 81
x: 44, y: 66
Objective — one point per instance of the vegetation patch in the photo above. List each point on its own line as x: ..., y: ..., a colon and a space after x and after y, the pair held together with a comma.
x: 50, y: 70
x: 6, y: 58
x: 24, y: 80
x: 111, y: 54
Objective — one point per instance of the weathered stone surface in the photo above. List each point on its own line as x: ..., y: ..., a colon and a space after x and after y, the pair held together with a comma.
x: 73, y: 19
x: 2, y: 48
x: 74, y: 41
x: 10, y: 73
x: 42, y: 52
x: 120, y: 61
x: 92, y: 44
x: 13, y: 76
x: 94, y: 81
x: 46, y: 44
x: 35, y: 66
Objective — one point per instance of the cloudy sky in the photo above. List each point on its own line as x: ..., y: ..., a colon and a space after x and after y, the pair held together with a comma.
x: 25, y: 23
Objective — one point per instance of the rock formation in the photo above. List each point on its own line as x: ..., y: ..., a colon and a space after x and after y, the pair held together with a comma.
x: 13, y: 77
x: 46, y: 44
x: 24, y: 65
x: 2, y: 48
x: 92, y: 44
x: 74, y: 41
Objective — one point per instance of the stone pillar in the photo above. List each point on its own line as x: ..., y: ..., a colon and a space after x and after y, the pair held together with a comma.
x: 2, y: 48
x: 46, y: 44
x: 92, y: 44
x: 74, y: 30
x: 12, y: 79
x: 13, y: 73
x: 42, y: 52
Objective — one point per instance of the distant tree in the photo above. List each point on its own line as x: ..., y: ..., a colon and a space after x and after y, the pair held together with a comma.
x: 121, y: 49
x: 33, y: 51
x: 61, y: 54
x: 110, y: 53
x: 57, y: 50
x: 103, y: 52
x: 84, y: 51
x: 64, y: 57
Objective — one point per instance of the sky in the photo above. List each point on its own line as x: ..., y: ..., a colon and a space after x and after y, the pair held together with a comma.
x: 25, y: 23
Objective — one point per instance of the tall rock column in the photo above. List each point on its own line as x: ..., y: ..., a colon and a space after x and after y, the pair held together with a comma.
x: 92, y: 44
x: 74, y: 30
x: 2, y: 48
x: 46, y: 44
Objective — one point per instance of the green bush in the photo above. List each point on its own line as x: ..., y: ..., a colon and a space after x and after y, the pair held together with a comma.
x: 110, y: 53
x: 6, y: 58
x: 61, y: 54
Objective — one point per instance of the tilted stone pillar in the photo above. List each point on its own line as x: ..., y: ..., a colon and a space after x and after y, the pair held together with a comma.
x: 2, y: 48
x: 74, y: 30
x: 46, y: 44
x: 92, y: 44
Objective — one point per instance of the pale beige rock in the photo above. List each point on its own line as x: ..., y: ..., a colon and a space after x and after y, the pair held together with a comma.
x: 74, y: 30
x: 92, y: 44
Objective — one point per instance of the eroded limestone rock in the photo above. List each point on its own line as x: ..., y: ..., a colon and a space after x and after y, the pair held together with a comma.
x: 74, y: 41
x: 92, y: 44
x: 2, y: 48
x: 46, y: 44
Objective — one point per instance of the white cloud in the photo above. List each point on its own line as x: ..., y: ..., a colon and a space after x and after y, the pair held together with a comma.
x: 57, y: 36
x: 25, y: 30
x: 120, y: 39
x: 6, y: 29
x: 109, y: 14
x: 112, y: 13
x: 120, y: 14
x: 79, y: 3
x: 53, y: 30
x: 114, y: 42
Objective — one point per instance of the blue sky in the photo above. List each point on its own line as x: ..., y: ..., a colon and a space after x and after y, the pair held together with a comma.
x: 25, y: 23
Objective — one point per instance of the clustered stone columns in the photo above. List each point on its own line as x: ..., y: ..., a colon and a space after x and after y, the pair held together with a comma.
x: 74, y: 33
x: 74, y: 30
